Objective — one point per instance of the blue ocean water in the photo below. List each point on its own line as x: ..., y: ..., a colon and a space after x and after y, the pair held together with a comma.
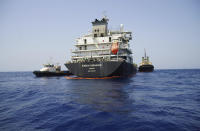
x: 160, y: 101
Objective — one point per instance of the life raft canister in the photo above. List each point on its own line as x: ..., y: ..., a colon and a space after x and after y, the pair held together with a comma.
x: 114, y: 48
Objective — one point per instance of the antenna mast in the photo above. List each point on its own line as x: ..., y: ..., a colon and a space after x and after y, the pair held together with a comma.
x: 104, y: 15
x: 145, y: 53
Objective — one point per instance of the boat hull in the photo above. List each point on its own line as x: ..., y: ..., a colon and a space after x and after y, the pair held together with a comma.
x: 98, y: 69
x: 49, y: 74
x: 146, y: 68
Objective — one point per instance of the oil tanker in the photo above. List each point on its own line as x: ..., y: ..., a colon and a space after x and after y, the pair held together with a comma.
x: 102, y: 53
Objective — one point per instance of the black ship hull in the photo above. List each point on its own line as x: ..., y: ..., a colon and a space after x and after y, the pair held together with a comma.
x: 50, y: 74
x: 99, y: 69
x: 146, y: 68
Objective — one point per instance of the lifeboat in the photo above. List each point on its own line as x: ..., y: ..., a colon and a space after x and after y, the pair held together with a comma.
x: 114, y: 48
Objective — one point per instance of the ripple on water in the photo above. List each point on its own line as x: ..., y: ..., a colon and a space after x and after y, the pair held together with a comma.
x: 161, y: 100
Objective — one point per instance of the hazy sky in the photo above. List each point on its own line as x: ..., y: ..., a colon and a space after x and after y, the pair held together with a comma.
x: 32, y: 31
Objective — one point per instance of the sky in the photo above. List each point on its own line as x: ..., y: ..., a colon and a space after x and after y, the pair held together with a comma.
x: 34, y: 31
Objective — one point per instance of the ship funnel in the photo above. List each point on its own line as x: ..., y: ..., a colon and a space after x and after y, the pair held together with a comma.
x: 121, y: 27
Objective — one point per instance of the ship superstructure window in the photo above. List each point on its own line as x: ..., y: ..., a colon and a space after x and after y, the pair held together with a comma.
x: 85, y: 41
x: 109, y: 39
x: 96, y: 30
x: 80, y: 48
x: 102, y: 34
x: 95, y: 35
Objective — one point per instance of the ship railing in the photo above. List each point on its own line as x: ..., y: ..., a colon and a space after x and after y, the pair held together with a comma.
x: 100, y: 55
x: 101, y: 43
x: 93, y: 50
x: 94, y: 60
x: 117, y: 59
x: 145, y: 63
x: 87, y: 59
x: 76, y: 51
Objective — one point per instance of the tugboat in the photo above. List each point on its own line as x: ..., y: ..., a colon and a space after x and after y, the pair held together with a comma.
x: 102, y: 53
x: 51, y: 70
x: 146, y: 65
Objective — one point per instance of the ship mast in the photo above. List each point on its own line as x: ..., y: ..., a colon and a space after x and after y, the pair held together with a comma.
x: 145, y: 54
x: 145, y: 59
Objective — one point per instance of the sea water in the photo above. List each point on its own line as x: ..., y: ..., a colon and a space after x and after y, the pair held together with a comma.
x: 163, y: 100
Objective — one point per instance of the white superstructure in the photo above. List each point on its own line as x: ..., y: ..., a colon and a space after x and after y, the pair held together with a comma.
x: 50, y: 68
x: 103, y: 44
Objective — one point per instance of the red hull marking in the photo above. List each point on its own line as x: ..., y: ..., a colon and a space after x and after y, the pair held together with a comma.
x: 68, y: 77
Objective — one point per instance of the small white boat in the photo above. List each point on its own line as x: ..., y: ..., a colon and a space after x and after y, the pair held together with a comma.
x: 51, y: 70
